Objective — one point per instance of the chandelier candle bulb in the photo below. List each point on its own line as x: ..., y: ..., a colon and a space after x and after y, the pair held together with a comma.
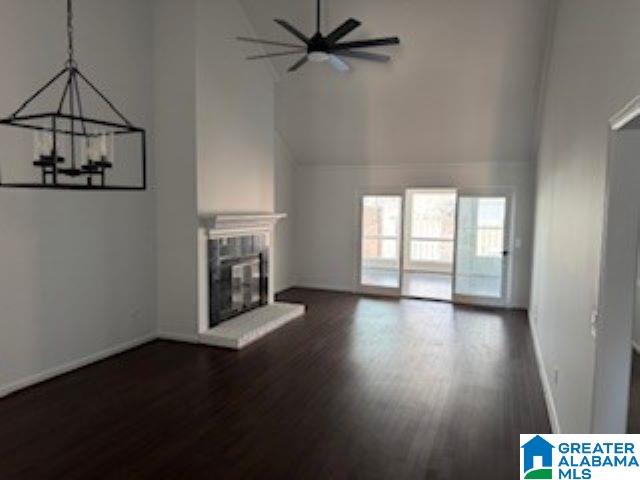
x: 37, y: 145
x: 112, y: 148
x: 87, y: 150
x: 47, y: 143
x: 94, y: 155
x: 84, y: 151
x: 104, y: 151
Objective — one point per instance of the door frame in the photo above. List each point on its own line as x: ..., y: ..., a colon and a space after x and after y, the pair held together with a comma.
x: 359, y: 286
x: 509, y: 246
x: 614, y: 313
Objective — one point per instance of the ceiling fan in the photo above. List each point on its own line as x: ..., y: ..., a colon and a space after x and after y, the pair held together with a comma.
x: 329, y: 48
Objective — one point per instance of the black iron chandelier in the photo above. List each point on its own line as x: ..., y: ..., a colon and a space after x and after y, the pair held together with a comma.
x: 73, y: 150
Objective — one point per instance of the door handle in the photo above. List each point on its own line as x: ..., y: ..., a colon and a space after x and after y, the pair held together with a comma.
x: 505, y: 253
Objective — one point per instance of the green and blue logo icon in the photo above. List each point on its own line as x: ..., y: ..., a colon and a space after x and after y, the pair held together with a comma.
x: 537, y: 459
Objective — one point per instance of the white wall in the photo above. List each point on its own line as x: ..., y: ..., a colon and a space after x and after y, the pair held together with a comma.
x: 77, y: 270
x: 175, y: 146
x: 235, y: 115
x: 327, y: 214
x: 285, y: 270
x: 594, y: 71
x: 214, y: 121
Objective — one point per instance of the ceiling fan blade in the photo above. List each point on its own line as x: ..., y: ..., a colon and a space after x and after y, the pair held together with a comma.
x: 375, y: 57
x: 298, y: 64
x: 374, y: 42
x: 343, y: 30
x: 268, y: 42
x: 339, y: 64
x: 276, y: 54
x: 292, y: 30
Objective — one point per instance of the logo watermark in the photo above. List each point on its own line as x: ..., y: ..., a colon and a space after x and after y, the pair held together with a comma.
x: 579, y: 457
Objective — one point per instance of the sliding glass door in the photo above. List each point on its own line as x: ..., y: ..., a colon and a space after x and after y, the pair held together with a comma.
x: 381, y: 244
x: 468, y: 229
x: 481, y: 256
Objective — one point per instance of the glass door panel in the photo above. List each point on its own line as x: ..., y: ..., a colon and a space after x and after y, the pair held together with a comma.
x: 431, y: 230
x: 381, y: 241
x: 480, y: 267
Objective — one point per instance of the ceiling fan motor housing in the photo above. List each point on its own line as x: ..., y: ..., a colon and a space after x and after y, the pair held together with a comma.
x: 317, y: 48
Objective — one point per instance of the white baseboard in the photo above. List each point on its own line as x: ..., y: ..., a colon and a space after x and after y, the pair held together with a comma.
x: 343, y: 289
x: 322, y: 286
x: 31, y: 380
x: 289, y: 286
x: 179, y: 337
x: 546, y: 384
x: 636, y: 346
x: 73, y: 365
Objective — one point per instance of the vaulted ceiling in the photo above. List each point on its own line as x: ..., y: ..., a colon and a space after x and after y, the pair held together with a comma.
x: 462, y: 87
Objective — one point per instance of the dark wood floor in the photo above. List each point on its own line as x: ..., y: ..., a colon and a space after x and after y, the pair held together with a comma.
x: 360, y: 388
x: 634, y: 397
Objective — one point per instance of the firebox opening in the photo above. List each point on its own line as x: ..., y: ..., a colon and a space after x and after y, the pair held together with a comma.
x: 238, y: 276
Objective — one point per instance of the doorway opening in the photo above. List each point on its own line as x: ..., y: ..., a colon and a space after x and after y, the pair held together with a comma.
x: 430, y: 231
x: 436, y: 244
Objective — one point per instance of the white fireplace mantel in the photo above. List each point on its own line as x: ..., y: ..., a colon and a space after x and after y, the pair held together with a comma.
x: 233, y: 222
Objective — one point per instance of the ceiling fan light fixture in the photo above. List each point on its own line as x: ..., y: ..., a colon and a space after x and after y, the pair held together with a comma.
x: 319, y: 57
x: 320, y: 48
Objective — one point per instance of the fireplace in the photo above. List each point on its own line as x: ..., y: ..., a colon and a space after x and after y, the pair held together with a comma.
x: 238, y: 276
x: 236, y: 302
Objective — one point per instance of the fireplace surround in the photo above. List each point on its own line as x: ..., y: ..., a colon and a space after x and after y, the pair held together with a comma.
x: 236, y: 303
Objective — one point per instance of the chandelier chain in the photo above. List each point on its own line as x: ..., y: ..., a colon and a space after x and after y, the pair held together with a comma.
x: 71, y: 61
